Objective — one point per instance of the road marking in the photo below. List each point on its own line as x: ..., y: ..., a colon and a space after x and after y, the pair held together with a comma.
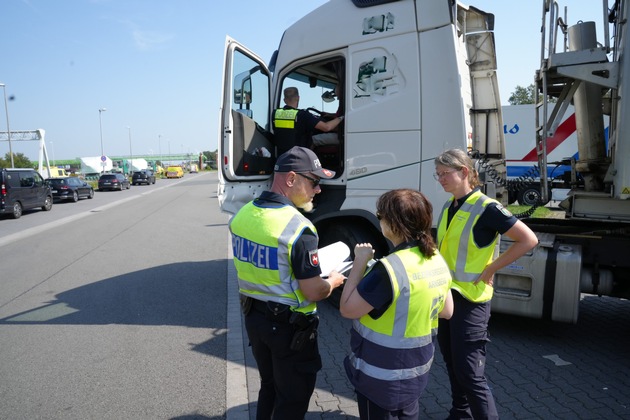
x: 557, y: 360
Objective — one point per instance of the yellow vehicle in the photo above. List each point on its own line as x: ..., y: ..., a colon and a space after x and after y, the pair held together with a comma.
x: 55, y: 172
x: 174, y: 172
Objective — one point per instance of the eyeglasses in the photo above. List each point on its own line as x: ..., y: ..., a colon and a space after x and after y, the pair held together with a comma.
x: 379, y: 216
x: 315, y: 181
x: 439, y: 175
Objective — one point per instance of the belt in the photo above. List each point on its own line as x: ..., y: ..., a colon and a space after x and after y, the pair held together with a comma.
x: 274, y: 310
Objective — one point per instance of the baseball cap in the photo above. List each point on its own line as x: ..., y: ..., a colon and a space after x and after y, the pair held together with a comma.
x: 301, y: 159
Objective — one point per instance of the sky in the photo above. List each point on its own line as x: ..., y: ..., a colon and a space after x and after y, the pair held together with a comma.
x: 155, y: 66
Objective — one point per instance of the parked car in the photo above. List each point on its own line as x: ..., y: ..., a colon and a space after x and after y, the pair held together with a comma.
x: 174, y: 172
x: 70, y: 188
x: 113, y: 182
x: 23, y: 189
x: 145, y: 176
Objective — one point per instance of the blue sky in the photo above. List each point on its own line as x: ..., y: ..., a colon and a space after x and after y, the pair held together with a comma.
x: 156, y: 65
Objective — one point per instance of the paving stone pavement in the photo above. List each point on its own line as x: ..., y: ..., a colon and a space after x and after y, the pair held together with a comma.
x: 537, y: 369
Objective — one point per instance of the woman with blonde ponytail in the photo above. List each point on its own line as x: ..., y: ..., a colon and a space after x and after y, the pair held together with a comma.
x: 468, y: 231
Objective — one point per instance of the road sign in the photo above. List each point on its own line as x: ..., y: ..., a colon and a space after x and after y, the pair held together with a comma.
x: 103, y: 158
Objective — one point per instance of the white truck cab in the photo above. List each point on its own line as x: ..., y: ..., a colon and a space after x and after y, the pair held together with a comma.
x: 413, y: 78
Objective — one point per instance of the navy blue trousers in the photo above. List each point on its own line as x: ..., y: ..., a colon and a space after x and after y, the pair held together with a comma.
x: 462, y: 342
x: 370, y: 411
x: 287, y: 377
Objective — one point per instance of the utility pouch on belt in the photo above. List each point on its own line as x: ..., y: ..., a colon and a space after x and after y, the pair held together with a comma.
x: 246, y: 304
x: 305, y: 329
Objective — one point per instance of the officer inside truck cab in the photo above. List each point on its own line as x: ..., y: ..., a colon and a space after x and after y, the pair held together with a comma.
x: 294, y: 127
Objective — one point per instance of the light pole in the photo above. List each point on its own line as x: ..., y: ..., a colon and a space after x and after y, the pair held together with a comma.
x: 160, y: 149
x: 6, y: 110
x: 52, y: 146
x: 100, y: 123
x: 130, y: 152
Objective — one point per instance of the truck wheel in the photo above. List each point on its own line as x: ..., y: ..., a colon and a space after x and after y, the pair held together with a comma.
x: 529, y: 195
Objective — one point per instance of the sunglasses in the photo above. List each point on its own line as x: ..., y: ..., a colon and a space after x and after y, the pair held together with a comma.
x: 439, y: 175
x: 313, y: 180
x: 379, y: 216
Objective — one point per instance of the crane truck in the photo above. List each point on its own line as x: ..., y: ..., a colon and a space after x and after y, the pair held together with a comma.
x: 416, y: 77
x: 586, y: 251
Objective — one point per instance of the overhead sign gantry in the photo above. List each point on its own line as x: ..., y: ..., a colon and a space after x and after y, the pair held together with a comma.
x: 30, y: 135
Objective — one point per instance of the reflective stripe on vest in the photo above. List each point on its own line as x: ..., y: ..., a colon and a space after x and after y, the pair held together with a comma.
x: 393, y: 354
x: 285, y: 118
x: 262, y: 242
x: 464, y: 257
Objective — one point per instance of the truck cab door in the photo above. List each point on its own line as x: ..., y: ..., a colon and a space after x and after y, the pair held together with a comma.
x: 246, y: 151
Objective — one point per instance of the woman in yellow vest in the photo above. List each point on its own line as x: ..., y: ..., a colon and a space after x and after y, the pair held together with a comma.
x: 469, y: 227
x: 395, y: 308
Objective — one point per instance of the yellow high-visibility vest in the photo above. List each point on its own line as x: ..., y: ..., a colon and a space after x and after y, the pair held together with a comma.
x: 262, y: 242
x: 285, y: 118
x: 464, y: 257
x: 392, y: 354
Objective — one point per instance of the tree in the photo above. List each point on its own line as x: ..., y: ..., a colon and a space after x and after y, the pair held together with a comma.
x: 19, y: 161
x: 526, y: 95
x: 211, y: 158
x: 522, y: 95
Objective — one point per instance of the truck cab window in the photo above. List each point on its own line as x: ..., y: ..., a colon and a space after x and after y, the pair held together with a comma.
x: 321, y: 93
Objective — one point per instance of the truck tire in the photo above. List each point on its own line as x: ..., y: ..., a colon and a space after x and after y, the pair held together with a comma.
x: 529, y: 195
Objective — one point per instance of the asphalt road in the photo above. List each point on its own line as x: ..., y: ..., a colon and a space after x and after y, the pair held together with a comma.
x: 126, y: 307
x: 115, y: 308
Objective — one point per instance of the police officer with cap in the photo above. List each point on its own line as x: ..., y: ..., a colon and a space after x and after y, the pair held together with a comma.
x: 275, y: 255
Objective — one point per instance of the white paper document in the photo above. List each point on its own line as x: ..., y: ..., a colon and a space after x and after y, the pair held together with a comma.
x: 334, y: 257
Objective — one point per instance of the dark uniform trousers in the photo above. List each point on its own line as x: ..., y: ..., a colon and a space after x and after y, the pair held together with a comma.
x: 463, y: 341
x: 287, y: 377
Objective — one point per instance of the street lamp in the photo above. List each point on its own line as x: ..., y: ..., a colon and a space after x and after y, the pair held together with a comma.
x: 52, y: 146
x: 160, y: 148
x: 100, y: 123
x: 6, y: 110
x: 130, y: 153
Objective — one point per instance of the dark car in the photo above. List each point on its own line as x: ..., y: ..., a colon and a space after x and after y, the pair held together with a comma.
x: 144, y: 176
x: 70, y: 188
x: 22, y: 189
x: 113, y: 182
